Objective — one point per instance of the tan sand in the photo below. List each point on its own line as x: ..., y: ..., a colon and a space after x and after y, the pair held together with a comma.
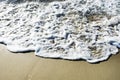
x: 29, y: 67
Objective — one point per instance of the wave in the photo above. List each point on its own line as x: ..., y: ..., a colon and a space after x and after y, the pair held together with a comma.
x: 67, y: 29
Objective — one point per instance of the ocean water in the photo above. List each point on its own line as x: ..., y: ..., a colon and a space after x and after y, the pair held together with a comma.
x: 66, y: 29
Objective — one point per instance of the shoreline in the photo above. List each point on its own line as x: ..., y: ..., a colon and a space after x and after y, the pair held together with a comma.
x: 27, y: 66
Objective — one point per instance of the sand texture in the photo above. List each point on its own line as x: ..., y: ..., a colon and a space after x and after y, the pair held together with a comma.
x: 29, y: 67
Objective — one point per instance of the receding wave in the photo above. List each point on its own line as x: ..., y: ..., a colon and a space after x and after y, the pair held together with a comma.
x: 66, y: 29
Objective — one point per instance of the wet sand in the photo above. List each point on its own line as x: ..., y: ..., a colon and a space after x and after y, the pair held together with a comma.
x: 26, y: 66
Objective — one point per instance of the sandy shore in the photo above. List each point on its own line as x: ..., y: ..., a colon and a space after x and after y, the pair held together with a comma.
x: 29, y: 67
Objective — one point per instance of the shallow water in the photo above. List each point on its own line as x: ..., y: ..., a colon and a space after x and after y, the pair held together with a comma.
x: 70, y: 29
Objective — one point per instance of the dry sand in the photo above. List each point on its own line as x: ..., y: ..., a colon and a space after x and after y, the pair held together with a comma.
x: 29, y: 67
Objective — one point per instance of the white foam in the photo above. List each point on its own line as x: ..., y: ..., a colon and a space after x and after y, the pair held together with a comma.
x: 70, y: 29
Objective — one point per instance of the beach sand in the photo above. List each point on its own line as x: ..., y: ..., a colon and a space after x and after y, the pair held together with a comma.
x: 27, y: 66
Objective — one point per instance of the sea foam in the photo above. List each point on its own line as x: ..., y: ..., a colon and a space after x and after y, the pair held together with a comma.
x: 66, y: 29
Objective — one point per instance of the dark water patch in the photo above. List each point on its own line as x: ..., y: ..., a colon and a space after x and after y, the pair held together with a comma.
x: 22, y: 1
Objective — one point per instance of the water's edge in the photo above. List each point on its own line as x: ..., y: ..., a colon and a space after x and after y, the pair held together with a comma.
x: 70, y: 30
